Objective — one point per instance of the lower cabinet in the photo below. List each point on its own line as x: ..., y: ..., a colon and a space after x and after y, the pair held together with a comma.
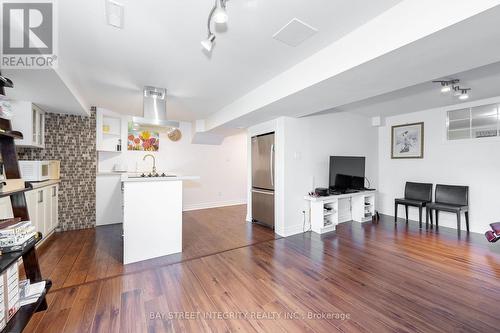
x: 42, y: 207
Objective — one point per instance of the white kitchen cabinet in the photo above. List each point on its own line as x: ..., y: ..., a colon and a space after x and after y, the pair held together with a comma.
x: 31, y: 203
x: 5, y: 208
x: 47, y: 203
x: 29, y: 119
x: 40, y: 211
x: 109, y: 199
x: 54, y: 193
x: 43, y: 208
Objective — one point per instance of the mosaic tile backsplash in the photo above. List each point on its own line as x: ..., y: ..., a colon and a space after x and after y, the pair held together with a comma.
x: 72, y: 140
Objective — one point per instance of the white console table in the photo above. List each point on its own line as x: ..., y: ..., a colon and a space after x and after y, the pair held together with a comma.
x: 327, y: 212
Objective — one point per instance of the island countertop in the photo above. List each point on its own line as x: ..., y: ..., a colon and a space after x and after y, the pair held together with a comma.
x: 133, y: 178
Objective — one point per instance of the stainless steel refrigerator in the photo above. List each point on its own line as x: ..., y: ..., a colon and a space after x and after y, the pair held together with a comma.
x: 263, y: 179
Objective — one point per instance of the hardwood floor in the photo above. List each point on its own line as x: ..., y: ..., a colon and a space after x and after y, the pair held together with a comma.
x: 361, y: 278
x: 75, y: 257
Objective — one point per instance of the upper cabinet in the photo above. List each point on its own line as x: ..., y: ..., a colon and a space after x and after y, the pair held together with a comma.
x: 108, y: 130
x: 29, y: 119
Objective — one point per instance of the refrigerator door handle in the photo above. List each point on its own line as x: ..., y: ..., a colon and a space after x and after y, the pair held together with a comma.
x: 264, y: 192
x: 271, y: 164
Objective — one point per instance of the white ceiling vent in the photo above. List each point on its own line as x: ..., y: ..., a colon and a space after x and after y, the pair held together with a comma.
x: 295, y: 32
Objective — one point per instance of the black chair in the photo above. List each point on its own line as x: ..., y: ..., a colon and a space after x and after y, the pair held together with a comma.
x: 453, y: 199
x: 416, y: 195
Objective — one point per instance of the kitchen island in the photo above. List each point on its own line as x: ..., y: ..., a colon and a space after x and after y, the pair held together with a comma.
x: 152, y: 216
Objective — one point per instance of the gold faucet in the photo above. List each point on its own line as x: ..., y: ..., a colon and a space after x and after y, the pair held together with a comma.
x: 154, y: 163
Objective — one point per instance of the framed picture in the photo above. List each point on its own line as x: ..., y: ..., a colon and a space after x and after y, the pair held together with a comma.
x: 142, y: 140
x: 407, y: 141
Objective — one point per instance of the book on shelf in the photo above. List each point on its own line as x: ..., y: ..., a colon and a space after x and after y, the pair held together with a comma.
x: 33, y: 293
x: 15, y: 229
x: 18, y: 247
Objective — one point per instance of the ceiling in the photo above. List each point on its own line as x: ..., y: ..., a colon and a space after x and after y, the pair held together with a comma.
x: 369, y: 57
x: 484, y: 82
x: 160, y: 46
x: 452, y: 40
x: 45, y: 88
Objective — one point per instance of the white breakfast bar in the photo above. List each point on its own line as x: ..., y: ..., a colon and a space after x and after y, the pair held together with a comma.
x: 152, y: 216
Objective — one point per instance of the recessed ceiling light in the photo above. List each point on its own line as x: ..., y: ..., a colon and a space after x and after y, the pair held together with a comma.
x: 114, y: 13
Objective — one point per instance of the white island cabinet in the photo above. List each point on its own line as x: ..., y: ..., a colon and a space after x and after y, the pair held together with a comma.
x: 152, y: 217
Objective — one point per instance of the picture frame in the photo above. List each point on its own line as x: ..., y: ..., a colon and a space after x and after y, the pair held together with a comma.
x: 407, y: 141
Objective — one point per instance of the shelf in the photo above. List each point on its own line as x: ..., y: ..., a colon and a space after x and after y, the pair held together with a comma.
x: 109, y: 151
x: 328, y: 228
x: 12, y: 134
x: 111, y: 134
x: 8, y: 259
x: 22, y: 317
x: 10, y: 193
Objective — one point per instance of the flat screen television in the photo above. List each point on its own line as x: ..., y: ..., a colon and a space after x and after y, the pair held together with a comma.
x: 347, y: 172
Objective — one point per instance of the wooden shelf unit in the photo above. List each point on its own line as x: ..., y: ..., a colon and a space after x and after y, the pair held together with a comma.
x: 19, y: 208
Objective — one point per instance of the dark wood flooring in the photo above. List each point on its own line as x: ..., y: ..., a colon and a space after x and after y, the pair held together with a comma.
x: 75, y: 257
x: 361, y: 278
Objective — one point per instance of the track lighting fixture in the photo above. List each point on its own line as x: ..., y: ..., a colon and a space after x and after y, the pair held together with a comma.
x: 452, y: 85
x: 447, y: 85
x: 219, y: 15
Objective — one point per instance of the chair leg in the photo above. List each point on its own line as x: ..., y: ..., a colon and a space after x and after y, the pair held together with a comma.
x: 430, y: 216
x: 467, y: 220
x: 427, y: 218
x: 437, y: 218
x: 458, y: 222
x: 406, y: 212
x: 395, y: 213
x: 420, y: 217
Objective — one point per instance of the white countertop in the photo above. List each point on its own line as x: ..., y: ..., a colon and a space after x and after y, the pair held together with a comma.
x: 127, y: 178
x: 44, y: 183
x: 110, y: 173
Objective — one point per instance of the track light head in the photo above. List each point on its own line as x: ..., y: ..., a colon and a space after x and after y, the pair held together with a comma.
x: 217, y: 14
x: 220, y: 15
x: 208, y: 43
x: 462, y: 93
x: 446, y: 88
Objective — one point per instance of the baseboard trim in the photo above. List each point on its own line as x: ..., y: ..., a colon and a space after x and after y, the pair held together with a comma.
x: 290, y: 230
x: 216, y: 204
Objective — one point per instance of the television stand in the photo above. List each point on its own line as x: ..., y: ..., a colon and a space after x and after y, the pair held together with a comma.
x: 327, y: 212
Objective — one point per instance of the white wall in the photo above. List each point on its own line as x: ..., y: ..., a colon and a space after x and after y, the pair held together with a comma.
x: 222, y: 168
x: 468, y: 162
x: 309, y: 142
x: 303, y: 147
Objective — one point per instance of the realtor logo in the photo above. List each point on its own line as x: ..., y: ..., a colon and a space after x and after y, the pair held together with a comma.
x: 28, y: 34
